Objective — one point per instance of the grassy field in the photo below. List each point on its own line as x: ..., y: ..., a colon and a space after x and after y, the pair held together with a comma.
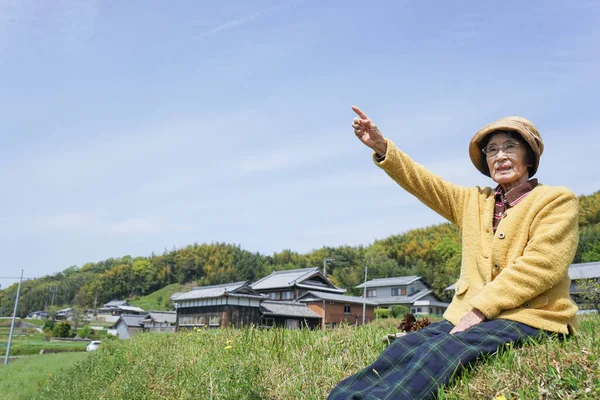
x: 301, y: 364
x: 5, y: 322
x: 30, y: 341
x: 156, y: 300
x: 20, y: 379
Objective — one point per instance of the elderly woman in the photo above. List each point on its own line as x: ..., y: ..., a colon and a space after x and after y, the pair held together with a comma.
x: 518, y: 242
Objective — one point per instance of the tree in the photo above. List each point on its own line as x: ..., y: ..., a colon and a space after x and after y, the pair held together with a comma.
x: 588, y: 290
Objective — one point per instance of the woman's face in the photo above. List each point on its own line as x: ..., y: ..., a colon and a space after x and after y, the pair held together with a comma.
x: 508, y: 167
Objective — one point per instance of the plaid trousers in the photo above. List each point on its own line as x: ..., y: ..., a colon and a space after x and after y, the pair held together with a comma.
x: 414, y: 366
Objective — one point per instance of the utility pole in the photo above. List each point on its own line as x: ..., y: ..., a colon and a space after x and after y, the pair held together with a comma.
x: 325, y: 261
x: 365, y: 296
x: 12, y: 325
x: 53, y: 293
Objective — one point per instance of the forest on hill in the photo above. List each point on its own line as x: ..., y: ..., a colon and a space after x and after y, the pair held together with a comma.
x: 433, y: 252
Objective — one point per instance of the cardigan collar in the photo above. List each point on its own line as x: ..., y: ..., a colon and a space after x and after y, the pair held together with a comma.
x: 517, y: 193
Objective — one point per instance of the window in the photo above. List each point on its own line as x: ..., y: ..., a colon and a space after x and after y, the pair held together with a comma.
x: 346, y: 309
x: 403, y: 291
x: 275, y: 296
x: 418, y: 309
x: 371, y: 292
x: 201, y: 321
x: 267, y: 322
x: 214, y: 321
x: 395, y: 291
x: 412, y: 290
x: 288, y: 295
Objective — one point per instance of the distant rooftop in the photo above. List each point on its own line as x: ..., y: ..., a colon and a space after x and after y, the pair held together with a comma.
x: 130, y: 320
x: 161, y: 316
x: 303, y: 277
x: 205, y: 292
x: 589, y: 270
x: 116, y: 303
x: 404, y: 299
x: 287, y: 309
x: 130, y: 309
x: 314, y: 295
x: 397, y: 281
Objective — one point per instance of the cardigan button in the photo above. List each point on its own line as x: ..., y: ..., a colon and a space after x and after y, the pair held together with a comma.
x: 501, y: 235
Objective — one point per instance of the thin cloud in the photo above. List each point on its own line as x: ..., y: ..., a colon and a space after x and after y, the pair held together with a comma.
x: 246, y: 19
x: 65, y: 26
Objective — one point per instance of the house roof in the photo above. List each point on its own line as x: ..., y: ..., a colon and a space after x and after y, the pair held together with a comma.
x: 176, y: 295
x: 397, y: 281
x: 451, y: 287
x: 130, y: 320
x: 287, y: 309
x: 65, y: 310
x: 404, y: 299
x: 434, y: 303
x: 312, y: 295
x: 161, y: 316
x: 237, y: 289
x: 130, y: 309
x: 309, y: 278
x: 589, y: 270
x: 116, y: 303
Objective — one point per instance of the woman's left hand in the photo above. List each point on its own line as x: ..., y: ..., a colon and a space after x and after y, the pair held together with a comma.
x: 471, y: 319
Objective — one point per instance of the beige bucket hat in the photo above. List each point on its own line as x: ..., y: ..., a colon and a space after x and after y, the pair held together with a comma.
x: 522, y: 126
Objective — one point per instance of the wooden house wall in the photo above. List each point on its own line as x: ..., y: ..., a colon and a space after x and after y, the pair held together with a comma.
x: 229, y: 315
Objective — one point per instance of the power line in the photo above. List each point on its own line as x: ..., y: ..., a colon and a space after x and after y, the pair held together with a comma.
x: 14, y: 277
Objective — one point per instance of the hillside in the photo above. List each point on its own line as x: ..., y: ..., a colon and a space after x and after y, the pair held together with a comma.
x: 433, y: 252
x: 302, y: 364
x: 159, y: 300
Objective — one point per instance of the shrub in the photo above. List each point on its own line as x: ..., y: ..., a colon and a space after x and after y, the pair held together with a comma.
x: 411, y: 324
x: 48, y: 325
x: 62, y: 329
x: 85, y: 332
x: 398, y: 311
x: 381, y: 313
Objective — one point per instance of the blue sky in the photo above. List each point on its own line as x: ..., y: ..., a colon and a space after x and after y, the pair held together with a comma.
x: 131, y: 127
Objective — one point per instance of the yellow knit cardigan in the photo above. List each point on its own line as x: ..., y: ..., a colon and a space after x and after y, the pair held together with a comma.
x: 519, y: 273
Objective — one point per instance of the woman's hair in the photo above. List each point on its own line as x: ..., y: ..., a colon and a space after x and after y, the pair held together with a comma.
x: 529, y: 157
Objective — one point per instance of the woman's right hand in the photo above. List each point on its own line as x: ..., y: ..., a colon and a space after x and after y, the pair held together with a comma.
x: 366, y: 131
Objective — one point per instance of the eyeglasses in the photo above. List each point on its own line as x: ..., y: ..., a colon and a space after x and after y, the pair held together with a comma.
x: 492, y: 150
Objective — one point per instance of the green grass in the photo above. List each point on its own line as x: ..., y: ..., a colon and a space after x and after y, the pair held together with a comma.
x: 552, y: 369
x: 20, y: 379
x: 6, y: 322
x: 29, y: 341
x: 38, y: 322
x: 151, y: 301
x: 30, y: 347
x: 302, y: 364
